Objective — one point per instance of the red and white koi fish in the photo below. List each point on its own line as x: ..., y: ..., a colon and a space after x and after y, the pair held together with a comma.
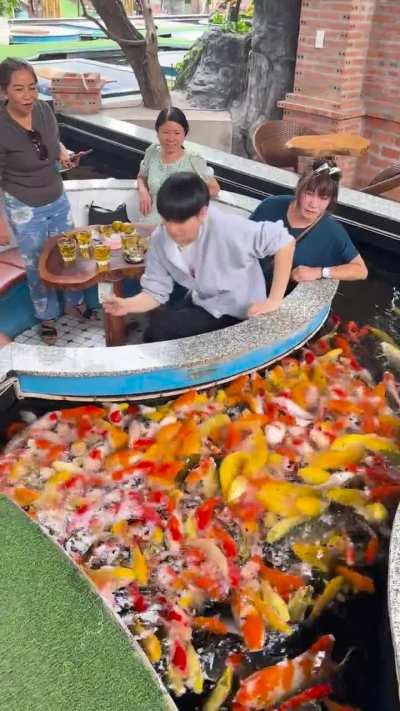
x: 269, y: 687
x: 285, y: 403
x: 392, y: 387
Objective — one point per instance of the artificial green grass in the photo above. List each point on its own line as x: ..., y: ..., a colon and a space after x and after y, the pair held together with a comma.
x: 69, y: 9
x: 60, y: 649
x: 30, y: 51
x: 183, y: 35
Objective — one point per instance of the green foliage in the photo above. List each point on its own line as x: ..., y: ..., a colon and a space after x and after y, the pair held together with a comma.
x: 242, y: 26
x: 217, y: 18
x: 185, y: 68
x: 7, y: 7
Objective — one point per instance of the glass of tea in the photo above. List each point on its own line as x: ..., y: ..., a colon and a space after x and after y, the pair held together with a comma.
x: 129, y: 240
x: 105, y: 230
x: 67, y: 247
x: 101, y: 253
x: 135, y: 254
x: 84, y: 239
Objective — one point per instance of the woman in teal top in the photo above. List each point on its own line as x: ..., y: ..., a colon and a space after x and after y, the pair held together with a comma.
x: 167, y: 157
x: 325, y: 251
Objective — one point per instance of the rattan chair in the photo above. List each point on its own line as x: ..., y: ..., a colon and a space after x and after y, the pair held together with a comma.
x: 385, y: 180
x: 269, y: 141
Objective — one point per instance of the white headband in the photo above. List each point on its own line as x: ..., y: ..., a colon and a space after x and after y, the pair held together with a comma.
x: 333, y: 170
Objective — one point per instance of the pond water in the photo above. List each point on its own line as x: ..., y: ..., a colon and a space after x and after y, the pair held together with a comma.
x: 369, y: 676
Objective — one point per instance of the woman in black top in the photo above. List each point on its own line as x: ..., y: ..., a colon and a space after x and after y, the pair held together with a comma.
x: 31, y: 188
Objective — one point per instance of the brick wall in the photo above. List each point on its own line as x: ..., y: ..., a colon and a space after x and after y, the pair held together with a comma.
x: 352, y: 83
x: 77, y: 93
x: 333, y: 74
x: 382, y: 89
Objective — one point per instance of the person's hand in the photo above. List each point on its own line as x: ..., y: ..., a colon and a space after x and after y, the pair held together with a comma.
x: 68, y: 159
x: 301, y: 273
x: 262, y: 307
x: 4, y: 340
x: 75, y: 159
x: 65, y: 158
x: 144, y: 201
x: 116, y: 306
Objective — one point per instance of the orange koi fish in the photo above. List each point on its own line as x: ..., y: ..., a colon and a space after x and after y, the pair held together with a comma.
x: 269, y: 687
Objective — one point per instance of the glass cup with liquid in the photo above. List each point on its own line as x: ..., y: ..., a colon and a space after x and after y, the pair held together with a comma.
x: 129, y: 240
x: 84, y: 239
x: 133, y: 247
x: 67, y: 247
x: 134, y: 254
x: 101, y: 253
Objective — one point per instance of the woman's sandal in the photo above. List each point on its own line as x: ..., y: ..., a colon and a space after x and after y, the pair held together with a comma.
x: 82, y: 312
x: 48, y: 332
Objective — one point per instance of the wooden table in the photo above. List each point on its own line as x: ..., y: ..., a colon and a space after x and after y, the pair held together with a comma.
x: 83, y: 273
x: 329, y: 144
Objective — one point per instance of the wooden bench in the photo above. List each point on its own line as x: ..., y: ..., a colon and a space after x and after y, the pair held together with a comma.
x: 16, y: 309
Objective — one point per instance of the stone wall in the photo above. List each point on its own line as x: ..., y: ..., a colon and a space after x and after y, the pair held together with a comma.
x: 216, y: 82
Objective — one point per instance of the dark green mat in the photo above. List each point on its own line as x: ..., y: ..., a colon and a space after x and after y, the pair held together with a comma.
x: 60, y: 649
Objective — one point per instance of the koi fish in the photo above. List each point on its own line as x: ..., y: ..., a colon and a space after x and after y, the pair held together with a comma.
x: 391, y: 387
x: 263, y: 497
x: 269, y: 687
x: 392, y: 352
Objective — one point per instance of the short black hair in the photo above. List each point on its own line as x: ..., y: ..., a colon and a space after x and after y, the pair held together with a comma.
x: 182, y: 196
x: 172, y: 113
x: 9, y: 66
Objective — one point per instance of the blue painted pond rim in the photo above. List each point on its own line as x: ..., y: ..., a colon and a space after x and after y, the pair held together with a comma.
x: 171, y: 365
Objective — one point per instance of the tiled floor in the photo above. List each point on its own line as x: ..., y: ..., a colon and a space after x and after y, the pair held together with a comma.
x: 88, y: 333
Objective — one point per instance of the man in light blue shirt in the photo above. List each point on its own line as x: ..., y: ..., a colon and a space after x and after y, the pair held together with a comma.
x: 215, y: 256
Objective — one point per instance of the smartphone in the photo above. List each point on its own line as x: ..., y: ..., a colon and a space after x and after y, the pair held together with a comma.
x: 81, y: 154
x: 105, y: 289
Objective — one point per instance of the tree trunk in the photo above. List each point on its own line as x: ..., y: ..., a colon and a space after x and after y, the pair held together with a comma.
x: 143, y: 56
x: 271, y: 67
x: 36, y: 6
x: 234, y: 9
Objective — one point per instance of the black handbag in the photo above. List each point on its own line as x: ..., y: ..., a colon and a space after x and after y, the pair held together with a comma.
x: 104, y: 216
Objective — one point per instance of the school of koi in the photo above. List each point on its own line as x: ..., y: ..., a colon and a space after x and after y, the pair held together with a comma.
x: 226, y: 514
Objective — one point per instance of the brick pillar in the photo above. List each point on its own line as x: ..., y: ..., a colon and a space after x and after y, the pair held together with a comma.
x: 381, y: 88
x: 329, y: 79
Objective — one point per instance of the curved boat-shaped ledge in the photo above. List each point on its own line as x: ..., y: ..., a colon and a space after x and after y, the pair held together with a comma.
x: 394, y: 589
x: 166, y: 367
